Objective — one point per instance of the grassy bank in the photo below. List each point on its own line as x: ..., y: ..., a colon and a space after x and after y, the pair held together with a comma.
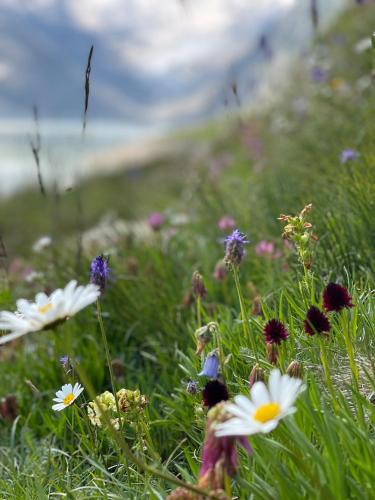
x: 264, y: 165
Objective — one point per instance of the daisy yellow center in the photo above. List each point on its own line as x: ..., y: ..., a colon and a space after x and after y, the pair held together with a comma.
x: 68, y: 399
x: 45, y: 308
x: 267, y: 412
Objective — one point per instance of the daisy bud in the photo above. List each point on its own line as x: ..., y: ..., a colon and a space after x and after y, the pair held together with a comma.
x: 214, y: 392
x: 272, y: 353
x: 198, y: 285
x: 274, y: 331
x: 9, y: 408
x: 99, y: 272
x: 234, y: 248
x: 211, y: 366
x: 295, y: 369
x: 336, y: 298
x: 256, y: 375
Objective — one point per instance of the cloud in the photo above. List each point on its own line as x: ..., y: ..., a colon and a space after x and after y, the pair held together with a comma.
x: 150, y: 55
x: 161, y: 37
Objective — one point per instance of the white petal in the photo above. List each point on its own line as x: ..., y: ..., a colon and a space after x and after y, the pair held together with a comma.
x: 244, y: 403
x: 274, y: 385
x: 237, y: 411
x: 41, y: 299
x: 58, y: 407
x: 67, y: 389
x: 236, y: 427
x: 259, y: 394
x: 77, y: 390
x: 268, y: 426
x: 12, y: 336
x: 23, y: 306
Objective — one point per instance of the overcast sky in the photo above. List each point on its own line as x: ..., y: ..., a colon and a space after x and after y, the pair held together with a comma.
x: 166, y: 54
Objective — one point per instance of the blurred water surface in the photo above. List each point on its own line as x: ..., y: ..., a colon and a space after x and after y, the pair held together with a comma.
x: 65, y: 153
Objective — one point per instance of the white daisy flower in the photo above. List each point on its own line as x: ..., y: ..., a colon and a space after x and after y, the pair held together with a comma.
x: 66, y: 396
x: 42, y: 243
x: 46, y: 311
x: 266, y: 407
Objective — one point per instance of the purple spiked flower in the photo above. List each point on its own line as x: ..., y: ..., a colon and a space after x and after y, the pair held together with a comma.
x: 234, y: 248
x: 192, y: 387
x: 211, y: 366
x: 99, y: 271
x: 348, y: 155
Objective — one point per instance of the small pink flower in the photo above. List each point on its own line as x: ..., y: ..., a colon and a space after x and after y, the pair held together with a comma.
x: 156, y: 220
x: 226, y: 223
x: 264, y: 248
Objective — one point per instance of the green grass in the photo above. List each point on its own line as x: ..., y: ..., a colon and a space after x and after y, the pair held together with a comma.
x: 319, y: 452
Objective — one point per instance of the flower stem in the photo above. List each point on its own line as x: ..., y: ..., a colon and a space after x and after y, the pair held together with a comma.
x: 109, y: 362
x: 245, y: 324
x: 352, y: 363
x: 221, y: 353
x: 327, y: 373
x: 198, y: 306
x: 127, y: 452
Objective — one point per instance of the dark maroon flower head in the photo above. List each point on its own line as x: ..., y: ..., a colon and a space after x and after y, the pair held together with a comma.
x: 316, y: 321
x: 214, y: 392
x: 274, y: 331
x: 336, y: 297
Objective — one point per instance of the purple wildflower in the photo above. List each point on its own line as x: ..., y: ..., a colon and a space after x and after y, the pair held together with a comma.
x: 64, y: 360
x: 264, y: 247
x: 348, y: 155
x: 226, y: 223
x: 99, y: 271
x: 211, y: 366
x: 156, y: 220
x: 192, y: 387
x: 234, y: 248
x: 318, y: 74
